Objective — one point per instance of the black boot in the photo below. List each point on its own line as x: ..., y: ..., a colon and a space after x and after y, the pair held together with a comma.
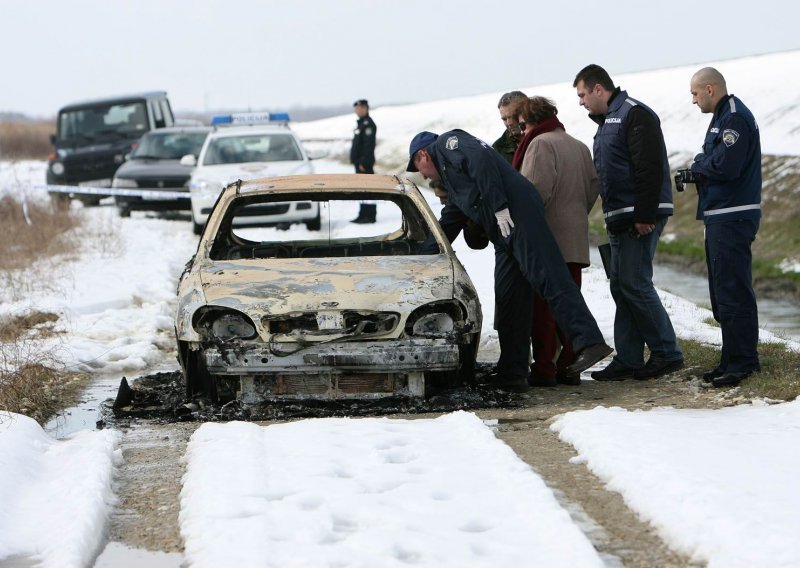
x: 366, y: 213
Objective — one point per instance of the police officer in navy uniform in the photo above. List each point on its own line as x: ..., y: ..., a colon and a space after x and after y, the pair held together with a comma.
x: 482, y: 187
x: 728, y: 178
x: 636, y: 189
x: 362, y: 154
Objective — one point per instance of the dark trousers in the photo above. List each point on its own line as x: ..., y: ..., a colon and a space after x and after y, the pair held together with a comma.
x: 529, y: 260
x: 546, y: 336
x: 730, y: 285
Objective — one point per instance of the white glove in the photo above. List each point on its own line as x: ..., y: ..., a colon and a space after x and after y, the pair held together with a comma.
x: 504, y: 222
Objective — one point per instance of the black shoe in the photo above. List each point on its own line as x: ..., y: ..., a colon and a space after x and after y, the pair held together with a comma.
x: 656, y: 367
x: 535, y: 380
x: 588, y: 357
x: 712, y: 374
x: 730, y: 379
x: 508, y: 383
x: 614, y: 372
x: 572, y: 379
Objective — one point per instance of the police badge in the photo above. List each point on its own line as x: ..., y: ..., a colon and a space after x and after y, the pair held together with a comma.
x: 729, y: 137
x: 452, y: 143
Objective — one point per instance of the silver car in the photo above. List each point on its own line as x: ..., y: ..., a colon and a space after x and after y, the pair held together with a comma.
x: 347, y: 311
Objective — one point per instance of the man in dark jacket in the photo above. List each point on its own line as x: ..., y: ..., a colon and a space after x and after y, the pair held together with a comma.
x: 634, y: 181
x: 482, y: 187
x: 728, y: 174
x: 507, y: 143
x: 362, y: 154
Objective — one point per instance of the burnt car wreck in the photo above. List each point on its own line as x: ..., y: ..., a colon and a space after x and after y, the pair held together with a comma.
x: 346, y: 312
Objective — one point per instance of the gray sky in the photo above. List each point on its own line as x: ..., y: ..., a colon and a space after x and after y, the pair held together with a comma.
x: 271, y: 55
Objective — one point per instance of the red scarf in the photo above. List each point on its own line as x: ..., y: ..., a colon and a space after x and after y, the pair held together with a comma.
x: 547, y: 125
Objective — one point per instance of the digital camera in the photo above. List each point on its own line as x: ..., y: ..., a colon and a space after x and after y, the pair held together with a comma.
x: 682, y: 177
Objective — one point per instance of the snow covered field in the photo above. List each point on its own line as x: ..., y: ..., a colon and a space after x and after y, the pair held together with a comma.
x: 719, y: 485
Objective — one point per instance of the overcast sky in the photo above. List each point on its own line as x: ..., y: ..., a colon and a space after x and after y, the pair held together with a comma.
x: 270, y: 55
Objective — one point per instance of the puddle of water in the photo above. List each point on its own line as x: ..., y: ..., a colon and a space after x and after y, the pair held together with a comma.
x: 117, y: 555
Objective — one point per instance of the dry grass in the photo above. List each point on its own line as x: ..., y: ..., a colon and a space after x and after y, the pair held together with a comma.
x: 26, y: 140
x: 18, y: 327
x: 33, y: 232
x: 31, y: 382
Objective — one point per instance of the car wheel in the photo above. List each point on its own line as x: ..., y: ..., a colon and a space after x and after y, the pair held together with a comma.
x: 315, y: 224
x: 90, y: 200
x: 124, y: 212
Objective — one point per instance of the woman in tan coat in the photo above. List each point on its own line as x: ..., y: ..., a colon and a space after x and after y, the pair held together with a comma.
x: 561, y: 168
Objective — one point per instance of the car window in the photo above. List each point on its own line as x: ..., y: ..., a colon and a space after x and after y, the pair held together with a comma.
x: 169, y: 146
x: 245, y: 231
x: 103, y: 122
x: 252, y: 148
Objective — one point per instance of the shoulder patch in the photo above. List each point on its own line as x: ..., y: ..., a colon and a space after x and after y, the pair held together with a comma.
x: 452, y: 143
x: 729, y: 137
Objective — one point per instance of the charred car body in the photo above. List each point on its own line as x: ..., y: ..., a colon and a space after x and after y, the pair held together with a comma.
x: 344, y: 312
x: 93, y: 137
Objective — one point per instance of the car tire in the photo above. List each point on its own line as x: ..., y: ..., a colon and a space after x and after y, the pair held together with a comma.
x: 124, y: 212
x: 315, y: 224
x: 197, y: 228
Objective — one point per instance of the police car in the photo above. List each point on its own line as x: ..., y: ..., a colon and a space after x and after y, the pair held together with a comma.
x: 245, y: 146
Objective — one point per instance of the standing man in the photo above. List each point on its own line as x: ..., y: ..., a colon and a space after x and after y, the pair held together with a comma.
x: 507, y: 143
x: 635, y: 186
x: 483, y: 187
x: 728, y: 177
x: 362, y: 154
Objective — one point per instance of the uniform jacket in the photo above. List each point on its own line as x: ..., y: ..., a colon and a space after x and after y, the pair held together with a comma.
x: 362, y: 152
x: 561, y: 168
x: 729, y: 169
x: 480, y: 182
x: 631, y: 161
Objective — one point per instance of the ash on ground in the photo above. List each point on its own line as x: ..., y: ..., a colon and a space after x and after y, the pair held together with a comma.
x: 162, y: 397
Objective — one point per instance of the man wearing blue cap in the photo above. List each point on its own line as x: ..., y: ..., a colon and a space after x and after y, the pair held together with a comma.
x: 484, y: 188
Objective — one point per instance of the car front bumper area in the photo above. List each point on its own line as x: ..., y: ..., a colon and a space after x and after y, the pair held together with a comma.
x: 363, y: 369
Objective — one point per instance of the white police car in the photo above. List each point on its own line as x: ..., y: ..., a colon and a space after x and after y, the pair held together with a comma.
x: 245, y: 146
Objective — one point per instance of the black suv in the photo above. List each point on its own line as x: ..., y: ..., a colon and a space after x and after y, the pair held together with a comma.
x: 93, y: 138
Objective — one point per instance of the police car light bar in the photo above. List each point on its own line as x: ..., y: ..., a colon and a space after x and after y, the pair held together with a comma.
x: 239, y: 118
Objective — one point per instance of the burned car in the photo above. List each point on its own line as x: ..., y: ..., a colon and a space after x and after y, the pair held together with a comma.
x: 345, y: 312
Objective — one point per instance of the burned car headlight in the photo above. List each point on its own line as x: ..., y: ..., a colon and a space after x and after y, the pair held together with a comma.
x: 224, y: 324
x: 433, y: 325
x: 438, y: 319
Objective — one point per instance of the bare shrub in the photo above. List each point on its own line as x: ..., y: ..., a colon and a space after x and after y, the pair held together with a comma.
x: 26, y: 140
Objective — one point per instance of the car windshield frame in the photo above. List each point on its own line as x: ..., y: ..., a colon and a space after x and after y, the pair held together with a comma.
x: 411, y: 236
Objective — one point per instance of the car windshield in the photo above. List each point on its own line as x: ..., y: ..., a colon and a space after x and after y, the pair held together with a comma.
x: 401, y: 229
x: 252, y: 148
x: 103, y: 122
x: 169, y: 145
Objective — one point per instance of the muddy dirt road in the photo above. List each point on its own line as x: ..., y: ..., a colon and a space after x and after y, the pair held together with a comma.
x: 150, y: 480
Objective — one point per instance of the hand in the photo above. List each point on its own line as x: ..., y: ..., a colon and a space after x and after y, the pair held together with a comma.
x: 504, y: 222
x: 642, y: 229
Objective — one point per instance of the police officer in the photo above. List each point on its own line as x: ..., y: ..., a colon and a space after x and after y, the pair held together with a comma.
x: 634, y: 181
x: 728, y: 177
x: 483, y: 187
x: 362, y: 154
